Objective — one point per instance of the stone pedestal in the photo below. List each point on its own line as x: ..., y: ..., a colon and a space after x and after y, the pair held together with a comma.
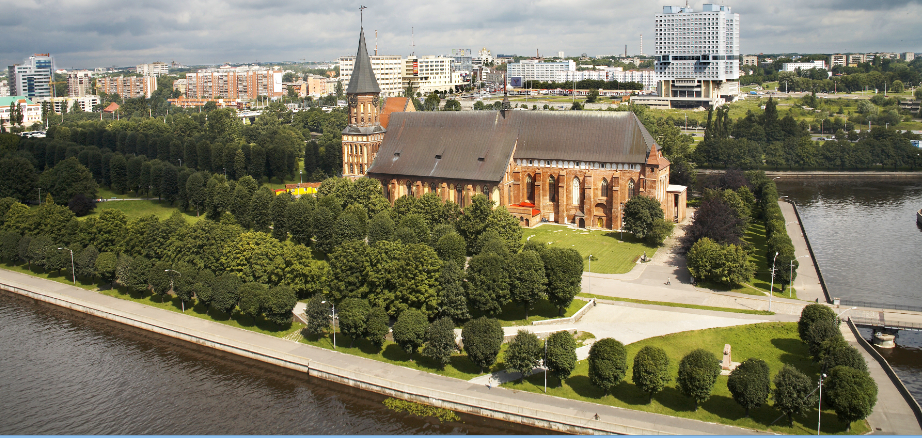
x: 884, y: 340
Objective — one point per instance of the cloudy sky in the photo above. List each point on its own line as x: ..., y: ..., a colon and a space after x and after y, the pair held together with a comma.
x: 91, y: 33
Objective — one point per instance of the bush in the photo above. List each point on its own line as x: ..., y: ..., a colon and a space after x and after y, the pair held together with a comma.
x: 837, y: 352
x: 353, y: 317
x: 640, y: 214
x: 318, y: 314
x: 651, y: 370
x: 607, y: 363
x: 811, y: 314
x: 377, y: 327
x: 561, y: 355
x: 410, y: 330
x: 851, y: 393
x: 723, y: 264
x: 792, y: 393
x: 698, y: 372
x: 482, y: 339
x: 749, y: 384
x: 440, y: 341
x: 523, y: 353
x: 820, y: 332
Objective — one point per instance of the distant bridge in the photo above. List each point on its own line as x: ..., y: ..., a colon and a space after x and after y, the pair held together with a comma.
x: 881, y: 323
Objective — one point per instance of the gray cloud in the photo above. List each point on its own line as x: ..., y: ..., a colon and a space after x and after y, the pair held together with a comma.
x: 89, y: 33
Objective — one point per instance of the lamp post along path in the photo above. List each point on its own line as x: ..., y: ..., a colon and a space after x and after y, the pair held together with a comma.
x: 771, y: 288
x: 183, y: 302
x: 73, y: 272
x: 333, y: 306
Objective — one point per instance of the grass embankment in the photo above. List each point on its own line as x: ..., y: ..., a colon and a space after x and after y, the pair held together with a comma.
x: 171, y: 303
x: 775, y: 343
x: 611, y: 253
x: 669, y: 304
x: 135, y: 209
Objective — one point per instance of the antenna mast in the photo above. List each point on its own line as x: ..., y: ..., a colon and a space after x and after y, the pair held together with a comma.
x: 376, y: 42
x: 412, y: 42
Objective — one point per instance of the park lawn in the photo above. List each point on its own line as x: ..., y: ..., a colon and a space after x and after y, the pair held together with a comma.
x: 776, y: 343
x: 514, y: 314
x: 610, y: 253
x: 460, y: 367
x: 135, y: 209
x: 62, y: 276
x: 669, y: 304
x: 755, y: 236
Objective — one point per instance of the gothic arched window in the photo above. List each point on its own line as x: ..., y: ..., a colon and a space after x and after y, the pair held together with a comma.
x: 530, y: 189
x: 604, y: 188
x: 576, y: 191
x: 351, y: 168
x: 551, y: 189
x: 630, y: 189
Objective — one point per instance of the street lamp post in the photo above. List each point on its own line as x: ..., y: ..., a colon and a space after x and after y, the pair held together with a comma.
x: 819, y: 405
x: 544, y: 363
x: 171, y: 287
x: 300, y: 177
x: 334, y: 322
x: 771, y: 288
x: 73, y: 272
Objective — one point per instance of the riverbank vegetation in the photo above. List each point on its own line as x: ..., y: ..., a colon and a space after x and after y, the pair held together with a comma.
x: 777, y: 344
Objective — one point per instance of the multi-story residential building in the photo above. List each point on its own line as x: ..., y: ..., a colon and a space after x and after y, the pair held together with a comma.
x: 792, y: 66
x: 697, y: 59
x: 180, y: 85
x: 837, y: 59
x: 79, y: 83
x: 154, y: 69
x: 484, y: 57
x: 234, y: 83
x: 645, y: 77
x: 32, y: 78
x: 318, y: 86
x: 388, y: 70
x: 86, y: 103
x: 908, y: 56
x: 127, y: 87
x: 462, y: 61
x: 533, y: 70
x: 750, y: 60
x: 430, y: 73
x: 31, y: 112
x: 4, y: 88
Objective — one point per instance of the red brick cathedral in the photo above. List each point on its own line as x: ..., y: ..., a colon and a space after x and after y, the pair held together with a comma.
x: 568, y: 167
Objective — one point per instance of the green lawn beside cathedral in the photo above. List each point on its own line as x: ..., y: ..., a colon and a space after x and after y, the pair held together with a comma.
x: 611, y: 252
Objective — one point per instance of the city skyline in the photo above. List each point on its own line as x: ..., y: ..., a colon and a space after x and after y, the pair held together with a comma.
x: 118, y: 34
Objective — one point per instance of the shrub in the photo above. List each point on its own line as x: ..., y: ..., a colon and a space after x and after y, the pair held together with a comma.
x: 749, y: 384
x: 523, y: 353
x: 561, y: 355
x: 698, y: 372
x: 651, y: 370
x: 482, y: 339
x: 607, y: 363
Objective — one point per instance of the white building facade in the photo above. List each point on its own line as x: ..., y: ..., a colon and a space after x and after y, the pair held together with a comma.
x: 697, y: 56
x: 793, y: 66
x: 153, y: 69
x: 645, y: 77
x: 533, y: 70
x: 32, y: 78
x: 388, y: 71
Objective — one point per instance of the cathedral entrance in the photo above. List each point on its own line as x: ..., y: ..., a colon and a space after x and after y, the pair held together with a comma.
x: 601, y: 222
x: 582, y: 223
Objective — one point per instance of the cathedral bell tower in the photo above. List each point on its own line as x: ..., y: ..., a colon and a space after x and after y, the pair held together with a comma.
x: 363, y: 136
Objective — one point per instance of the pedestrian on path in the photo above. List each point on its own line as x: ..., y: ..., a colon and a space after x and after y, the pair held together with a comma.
x: 490, y: 383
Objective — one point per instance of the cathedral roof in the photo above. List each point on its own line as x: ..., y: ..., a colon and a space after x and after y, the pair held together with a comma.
x: 656, y: 158
x: 363, y: 77
x: 395, y: 105
x: 478, y: 145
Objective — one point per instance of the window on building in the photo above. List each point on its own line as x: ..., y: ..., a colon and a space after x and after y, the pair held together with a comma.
x: 630, y: 189
x: 576, y: 191
x: 552, y: 189
x: 604, y: 188
x: 530, y: 189
x: 351, y: 168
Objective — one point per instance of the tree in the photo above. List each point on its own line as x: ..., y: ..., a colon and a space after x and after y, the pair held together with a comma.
x: 410, y: 330
x: 319, y: 315
x: 381, y: 227
x: 561, y: 355
x: 85, y: 262
x: 698, y: 372
x: 252, y: 299
x: 749, y: 384
x: 349, y: 270
x: 810, y: 315
x: 523, y: 353
x: 607, y: 363
x: 852, y: 394
x: 376, y: 328
x: 651, y: 370
x: 452, y: 299
x: 279, y: 302
x: 226, y: 293
x: 564, y: 270
x: 474, y: 220
x: 105, y: 267
x: 353, y: 317
x: 440, y: 341
x: 723, y: 264
x: 820, y: 332
x: 488, y: 283
x: 451, y: 246
x: 793, y: 392
x: 482, y: 339
x: 9, y: 245
x: 837, y: 351
x: 528, y: 282
x: 81, y: 205
x: 118, y: 173
x: 159, y: 278
x: 18, y: 177
x: 640, y: 215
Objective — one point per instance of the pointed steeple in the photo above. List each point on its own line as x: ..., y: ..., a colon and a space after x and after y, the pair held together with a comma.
x: 363, y: 77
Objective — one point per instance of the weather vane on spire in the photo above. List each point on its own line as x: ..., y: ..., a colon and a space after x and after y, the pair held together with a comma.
x: 361, y: 8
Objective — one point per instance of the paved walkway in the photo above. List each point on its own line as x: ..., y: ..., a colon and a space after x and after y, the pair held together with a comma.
x: 609, y: 418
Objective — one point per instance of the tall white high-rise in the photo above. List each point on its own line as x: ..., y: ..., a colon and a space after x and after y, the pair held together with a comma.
x: 697, y: 56
x: 32, y: 78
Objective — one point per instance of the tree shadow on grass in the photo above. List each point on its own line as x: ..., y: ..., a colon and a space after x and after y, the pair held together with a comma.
x: 395, y: 353
x: 583, y: 387
x: 724, y: 407
x: 630, y: 394
x: 672, y: 398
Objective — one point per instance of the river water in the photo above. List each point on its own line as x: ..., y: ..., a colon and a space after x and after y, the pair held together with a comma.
x: 62, y: 372
x: 869, y: 248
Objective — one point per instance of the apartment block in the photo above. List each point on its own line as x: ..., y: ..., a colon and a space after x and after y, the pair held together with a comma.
x: 319, y: 86
x: 750, y: 60
x: 837, y: 60
x: 86, y: 103
x: 79, y: 83
x: 234, y: 83
x: 645, y: 77
x: 908, y: 56
x: 127, y: 87
x: 429, y: 73
x: 388, y: 70
x: 534, y: 70
x: 32, y: 78
x: 792, y: 66
x: 154, y: 69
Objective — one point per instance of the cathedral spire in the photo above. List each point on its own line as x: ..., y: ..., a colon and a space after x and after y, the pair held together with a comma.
x: 363, y: 77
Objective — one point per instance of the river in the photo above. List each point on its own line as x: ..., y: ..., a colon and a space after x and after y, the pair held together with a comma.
x: 869, y: 247
x: 63, y: 372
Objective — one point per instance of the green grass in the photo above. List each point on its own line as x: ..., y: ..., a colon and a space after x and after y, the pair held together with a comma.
x: 775, y: 343
x: 669, y: 304
x: 171, y: 303
x: 611, y: 254
x: 755, y: 236
x: 135, y: 209
x: 460, y: 367
x: 514, y: 314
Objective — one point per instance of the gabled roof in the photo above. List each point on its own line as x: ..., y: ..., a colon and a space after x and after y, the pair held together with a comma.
x: 363, y: 77
x: 478, y: 145
x: 111, y: 108
x: 656, y: 158
x: 395, y: 105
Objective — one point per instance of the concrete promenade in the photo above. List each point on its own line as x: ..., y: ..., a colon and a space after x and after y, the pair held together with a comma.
x: 514, y: 406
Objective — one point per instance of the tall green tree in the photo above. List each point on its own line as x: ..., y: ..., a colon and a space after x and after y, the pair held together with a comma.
x: 651, y: 370
x: 482, y: 339
x: 440, y: 341
x: 353, y: 318
x: 698, y: 372
x: 376, y: 328
x: 852, y: 394
x: 452, y: 298
x: 410, y: 330
x: 607, y: 363
x: 640, y: 215
x: 488, y: 283
x: 749, y: 383
x: 561, y: 355
x: 523, y: 353
x: 528, y: 282
x: 564, y: 270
